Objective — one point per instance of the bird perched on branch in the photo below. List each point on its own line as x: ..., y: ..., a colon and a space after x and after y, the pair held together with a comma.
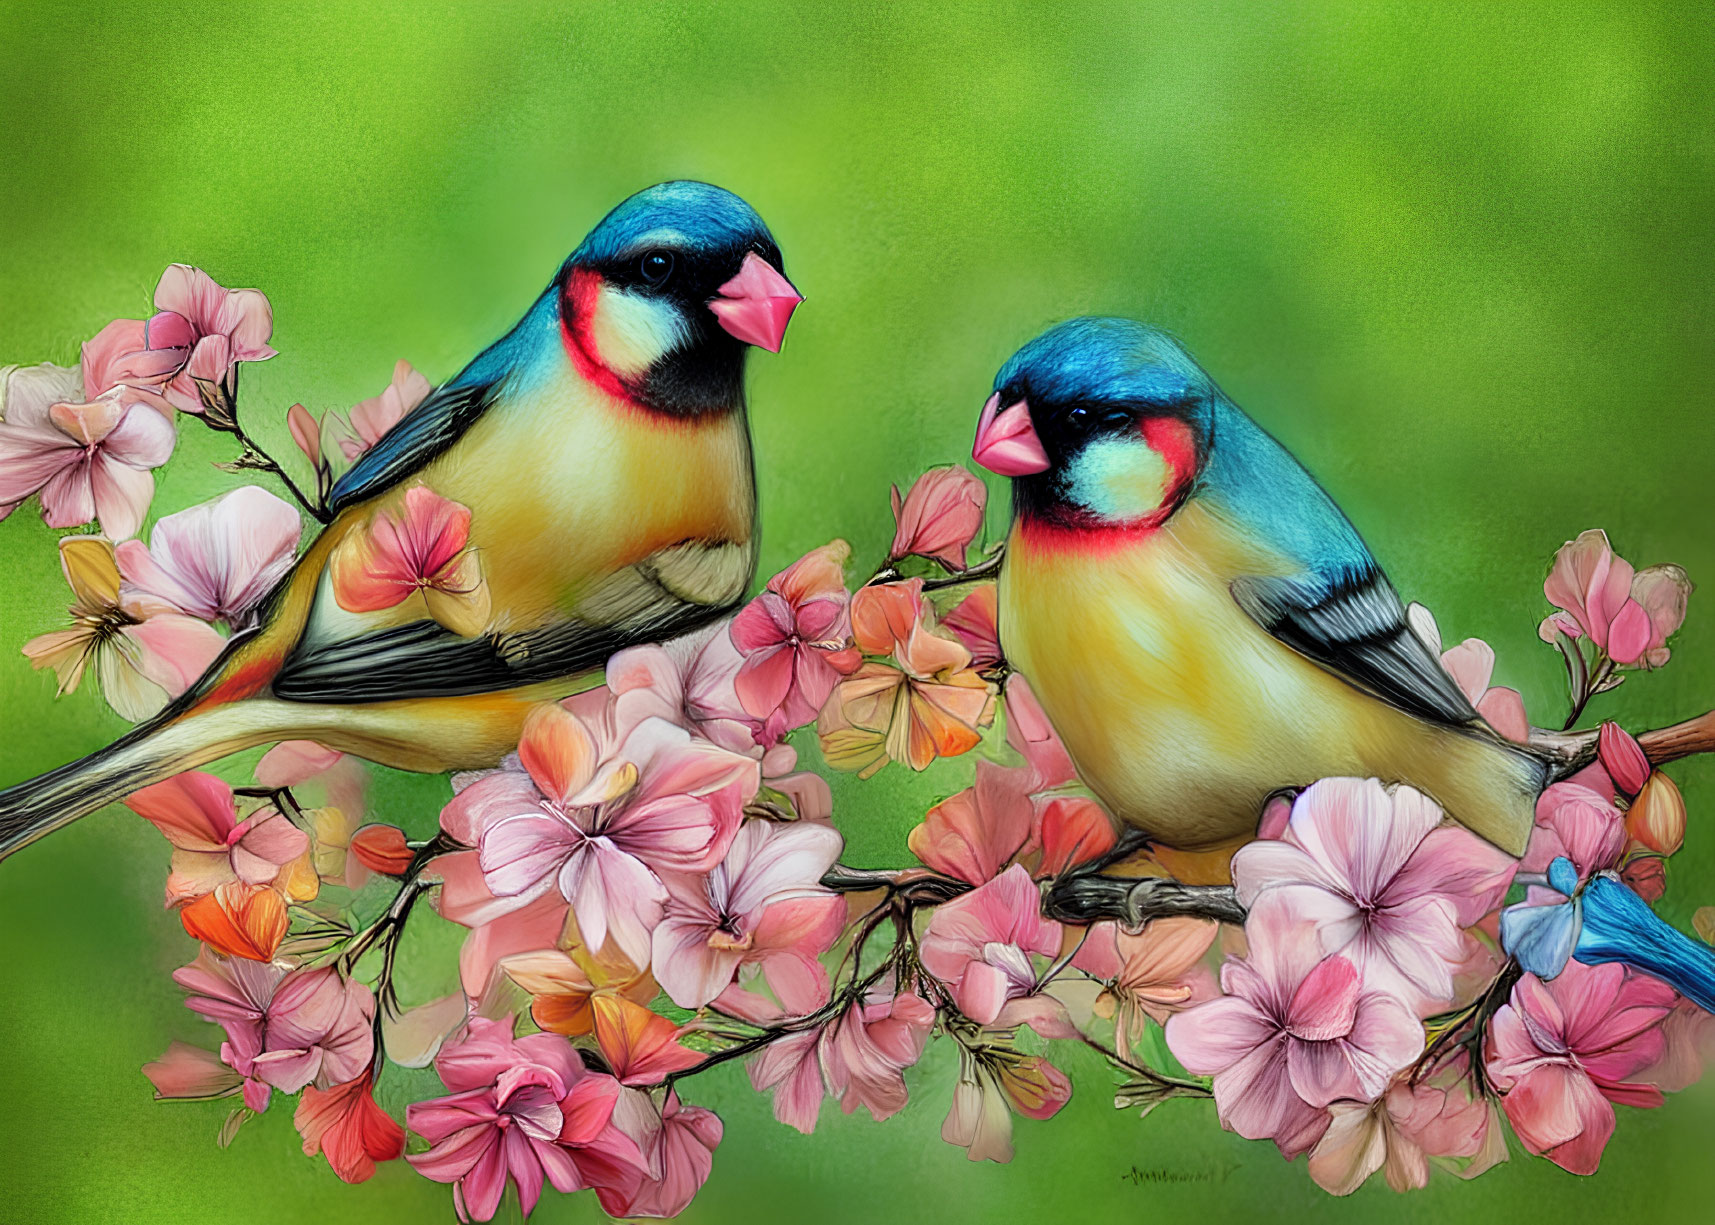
x: 584, y: 484
x: 1199, y: 621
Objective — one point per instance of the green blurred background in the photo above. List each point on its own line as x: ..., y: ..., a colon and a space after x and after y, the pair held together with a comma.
x: 1459, y: 259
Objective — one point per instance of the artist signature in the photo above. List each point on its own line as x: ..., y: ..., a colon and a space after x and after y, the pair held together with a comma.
x: 1138, y: 1177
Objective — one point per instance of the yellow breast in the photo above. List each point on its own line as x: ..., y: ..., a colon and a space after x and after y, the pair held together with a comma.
x: 1180, y: 712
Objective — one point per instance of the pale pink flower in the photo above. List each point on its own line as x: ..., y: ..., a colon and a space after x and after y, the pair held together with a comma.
x: 866, y: 1049
x: 992, y: 1085
x: 185, y: 1071
x: 1579, y: 823
x: 763, y: 904
x: 981, y: 944
x: 1471, y: 664
x: 1150, y: 974
x: 89, y: 461
x: 796, y: 640
x: 791, y: 1066
x: 598, y: 817
x: 212, y: 327
x: 211, y: 846
x: 1628, y: 615
x: 215, y: 561
x: 1030, y: 734
x: 1388, y: 887
x: 679, y: 1158
x: 940, y: 517
x: 1295, y: 1032
x: 143, y: 652
x: 371, y: 419
x: 119, y: 356
x: 520, y: 1109
x: 1443, y: 1118
x: 1563, y: 1052
x: 691, y: 681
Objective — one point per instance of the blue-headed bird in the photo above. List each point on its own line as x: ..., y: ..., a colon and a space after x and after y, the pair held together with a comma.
x: 1200, y: 622
x: 602, y: 450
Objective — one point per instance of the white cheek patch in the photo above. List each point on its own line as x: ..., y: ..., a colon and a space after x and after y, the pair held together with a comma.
x: 1118, y: 478
x: 631, y: 332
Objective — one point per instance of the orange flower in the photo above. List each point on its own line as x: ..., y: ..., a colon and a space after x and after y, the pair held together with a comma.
x: 239, y: 920
x: 420, y: 548
x: 928, y: 703
x: 1656, y: 818
x: 640, y: 1046
x: 562, y: 983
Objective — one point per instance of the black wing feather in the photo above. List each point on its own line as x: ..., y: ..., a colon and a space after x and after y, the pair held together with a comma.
x: 1357, y: 629
x: 423, y: 433
x: 425, y: 660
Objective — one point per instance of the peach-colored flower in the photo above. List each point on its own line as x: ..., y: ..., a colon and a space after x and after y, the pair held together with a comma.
x: 239, y: 920
x: 1149, y: 974
x: 975, y: 621
x: 940, y: 516
x: 143, y: 650
x: 211, y: 846
x: 1656, y: 819
x: 927, y: 703
x: 418, y: 549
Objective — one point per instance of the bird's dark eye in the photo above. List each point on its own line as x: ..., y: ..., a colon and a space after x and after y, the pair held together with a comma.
x: 1116, y: 419
x: 656, y: 266
x: 1078, y: 418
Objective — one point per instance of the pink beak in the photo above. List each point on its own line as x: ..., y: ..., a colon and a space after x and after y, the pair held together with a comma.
x: 1006, y: 441
x: 756, y: 305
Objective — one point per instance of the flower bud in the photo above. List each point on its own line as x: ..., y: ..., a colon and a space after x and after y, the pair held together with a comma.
x: 939, y: 517
x: 1623, y: 758
x: 1646, y: 876
x: 1656, y: 819
x: 382, y: 848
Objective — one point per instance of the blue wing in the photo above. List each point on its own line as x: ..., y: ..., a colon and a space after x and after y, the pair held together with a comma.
x: 423, y: 433
x: 1339, y: 608
x: 436, y: 423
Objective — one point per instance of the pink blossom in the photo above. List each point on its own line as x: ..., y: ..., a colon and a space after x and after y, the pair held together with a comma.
x: 1580, y: 823
x: 762, y: 904
x: 1400, y: 1132
x: 345, y: 1125
x: 211, y: 846
x: 1628, y: 615
x: 119, y: 356
x: 285, y: 1028
x: 980, y: 946
x: 796, y: 640
x: 1623, y: 758
x: 993, y: 1083
x: 975, y: 621
x: 1471, y: 664
x: 216, y: 561
x: 940, y: 516
x: 1563, y: 1052
x: 866, y: 1049
x: 1294, y: 1032
x: 1387, y: 886
x: 682, y: 1150
x: 371, y: 419
x: 89, y: 461
x: 791, y: 1066
x: 213, y: 327
x: 524, y: 1109
x: 418, y: 548
x: 185, y: 1071
x: 598, y: 815
x: 1149, y: 974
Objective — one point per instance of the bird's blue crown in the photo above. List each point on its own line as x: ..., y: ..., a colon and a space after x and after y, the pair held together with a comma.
x: 688, y: 213
x: 1106, y: 361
